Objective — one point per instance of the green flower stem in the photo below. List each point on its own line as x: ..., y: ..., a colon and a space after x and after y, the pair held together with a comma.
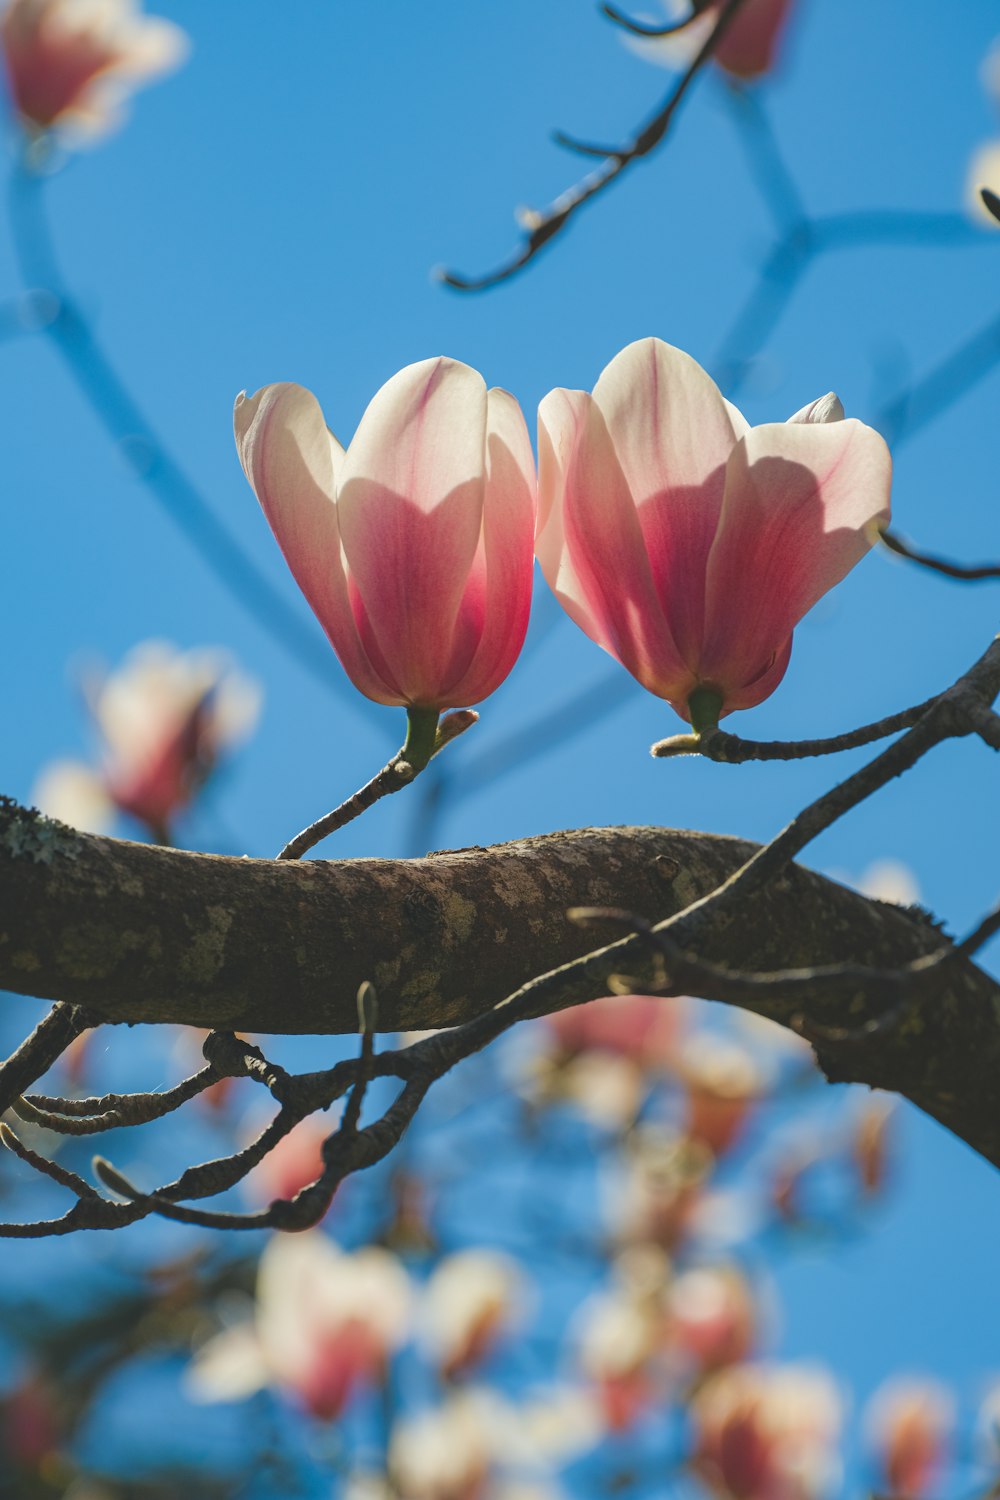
x: 421, y: 736
x: 425, y: 736
x: 705, y: 706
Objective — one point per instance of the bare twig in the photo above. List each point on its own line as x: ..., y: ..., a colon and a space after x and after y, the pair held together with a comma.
x: 114, y: 1111
x: 47, y: 1168
x: 964, y: 572
x: 37, y: 1053
x: 951, y: 714
x: 399, y: 772
x: 730, y: 749
x: 543, y: 227
x: 392, y: 778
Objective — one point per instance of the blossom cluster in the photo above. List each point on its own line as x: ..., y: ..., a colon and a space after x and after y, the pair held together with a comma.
x: 671, y: 1350
x: 685, y: 542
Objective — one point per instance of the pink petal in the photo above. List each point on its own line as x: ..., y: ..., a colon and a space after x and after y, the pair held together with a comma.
x: 750, y: 43
x: 410, y: 505
x: 291, y: 461
x: 502, y: 571
x: 802, y: 503
x: 591, y: 545
x: 673, y: 433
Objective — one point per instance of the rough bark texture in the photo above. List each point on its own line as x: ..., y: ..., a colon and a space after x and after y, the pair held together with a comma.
x: 141, y: 934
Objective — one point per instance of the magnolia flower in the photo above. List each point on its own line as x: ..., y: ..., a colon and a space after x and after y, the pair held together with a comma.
x: 469, y: 1299
x: 689, y: 544
x: 723, y: 1082
x: 869, y: 1144
x: 747, y: 48
x: 909, y: 1423
x: 766, y: 1432
x: 294, y: 1163
x: 712, y: 1316
x: 658, y: 1188
x: 984, y: 166
x: 606, y: 1087
x: 477, y: 1444
x: 325, y: 1324
x: 164, y: 719
x: 69, y: 62
x: 619, y: 1336
x: 413, y: 546
x: 447, y: 1453
x: 645, y: 1028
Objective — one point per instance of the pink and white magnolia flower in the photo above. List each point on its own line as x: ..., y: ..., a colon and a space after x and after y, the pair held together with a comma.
x: 686, y: 542
x: 747, y: 49
x: 164, y: 719
x: 470, y: 1299
x: 645, y: 1028
x: 767, y: 1432
x: 413, y: 546
x: 909, y: 1425
x: 723, y: 1083
x: 69, y: 62
x: 325, y: 1325
x: 984, y: 165
x: 713, y: 1318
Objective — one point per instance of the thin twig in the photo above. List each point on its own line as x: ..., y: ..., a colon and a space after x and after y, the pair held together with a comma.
x: 64, y: 1115
x: 392, y: 778
x: 543, y: 227
x: 730, y: 749
x: 48, y: 1168
x: 399, y: 772
x: 964, y: 572
x: 38, y: 1052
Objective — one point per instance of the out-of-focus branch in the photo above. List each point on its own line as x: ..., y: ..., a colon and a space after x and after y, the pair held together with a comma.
x: 58, y: 316
x: 543, y: 227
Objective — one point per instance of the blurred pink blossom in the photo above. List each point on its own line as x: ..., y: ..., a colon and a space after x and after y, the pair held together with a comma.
x: 413, y: 546
x: 325, y: 1324
x: 643, y: 1027
x: 984, y: 165
x: 712, y: 1316
x: 747, y: 49
x: 69, y: 62
x: 164, y: 718
x: 766, y: 1432
x: 295, y: 1162
x: 723, y: 1083
x: 469, y: 1299
x: 909, y: 1425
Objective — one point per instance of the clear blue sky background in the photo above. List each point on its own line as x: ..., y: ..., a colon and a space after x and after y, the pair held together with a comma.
x: 274, y: 212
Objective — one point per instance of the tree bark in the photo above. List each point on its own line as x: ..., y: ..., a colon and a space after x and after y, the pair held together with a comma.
x: 142, y: 934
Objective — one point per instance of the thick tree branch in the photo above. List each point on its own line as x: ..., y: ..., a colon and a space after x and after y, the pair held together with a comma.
x: 137, y: 933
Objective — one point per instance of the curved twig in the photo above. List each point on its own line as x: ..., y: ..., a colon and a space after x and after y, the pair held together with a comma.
x: 730, y: 749
x: 963, y: 572
x: 543, y: 227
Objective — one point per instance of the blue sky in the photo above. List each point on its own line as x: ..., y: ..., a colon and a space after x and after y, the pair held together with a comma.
x: 275, y: 212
